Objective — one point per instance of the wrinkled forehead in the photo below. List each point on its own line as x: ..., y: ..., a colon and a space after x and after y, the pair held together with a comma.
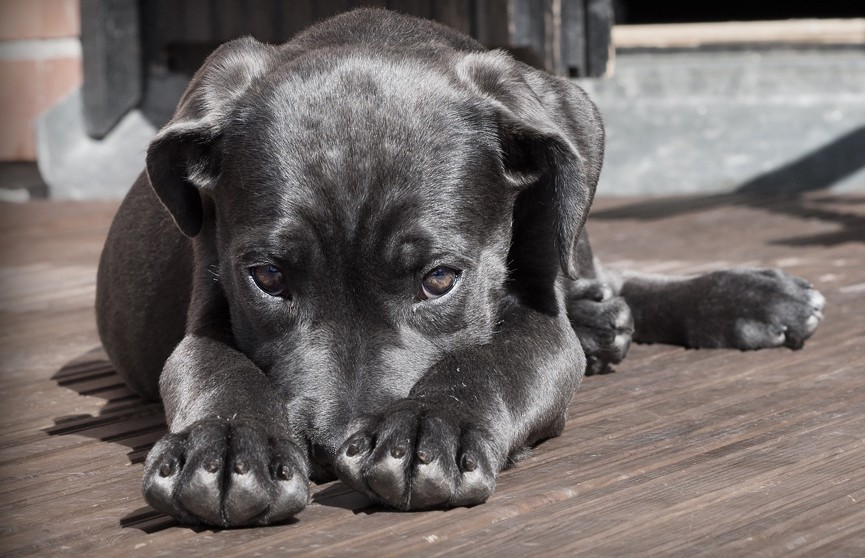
x: 357, y: 139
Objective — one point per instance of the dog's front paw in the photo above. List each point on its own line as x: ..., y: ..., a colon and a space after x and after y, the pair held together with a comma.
x: 754, y: 309
x: 416, y: 457
x: 226, y: 474
x: 603, y: 324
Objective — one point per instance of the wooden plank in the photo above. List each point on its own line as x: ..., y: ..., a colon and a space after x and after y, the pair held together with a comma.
x: 296, y: 16
x: 322, y: 9
x: 692, y: 35
x: 111, y: 50
x: 419, y: 8
x: 197, y: 19
x: 264, y: 20
x: 454, y: 13
x: 527, y: 29
x: 677, y: 453
x: 573, y: 38
x: 491, y: 22
x: 599, y: 45
x: 230, y: 19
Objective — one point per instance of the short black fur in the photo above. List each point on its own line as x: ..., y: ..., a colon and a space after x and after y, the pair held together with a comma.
x: 352, y: 161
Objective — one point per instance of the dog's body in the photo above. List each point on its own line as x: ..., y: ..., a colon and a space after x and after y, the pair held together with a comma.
x: 360, y: 253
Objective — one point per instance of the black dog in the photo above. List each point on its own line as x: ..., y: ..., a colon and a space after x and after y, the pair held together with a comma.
x: 360, y: 253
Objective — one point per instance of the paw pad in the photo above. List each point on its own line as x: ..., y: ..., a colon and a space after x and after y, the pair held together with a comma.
x: 206, y: 476
x: 416, y: 458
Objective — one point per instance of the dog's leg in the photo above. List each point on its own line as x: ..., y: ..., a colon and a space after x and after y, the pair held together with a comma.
x: 601, y: 319
x: 229, y: 458
x: 738, y: 308
x: 446, y: 442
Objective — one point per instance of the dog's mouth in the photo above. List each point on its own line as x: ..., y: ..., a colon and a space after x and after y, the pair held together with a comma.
x: 321, y: 460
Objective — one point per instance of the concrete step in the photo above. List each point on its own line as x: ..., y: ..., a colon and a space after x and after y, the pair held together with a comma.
x: 763, y: 120
x: 677, y: 122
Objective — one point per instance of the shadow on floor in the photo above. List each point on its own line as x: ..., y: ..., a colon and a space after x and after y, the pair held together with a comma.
x: 147, y: 520
x: 338, y: 495
x: 133, y: 422
x: 781, y: 191
x: 125, y: 419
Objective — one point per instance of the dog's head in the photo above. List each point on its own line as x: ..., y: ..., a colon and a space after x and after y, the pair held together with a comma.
x: 367, y: 212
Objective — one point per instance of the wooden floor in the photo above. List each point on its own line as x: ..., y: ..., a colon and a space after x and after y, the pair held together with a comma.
x: 678, y: 453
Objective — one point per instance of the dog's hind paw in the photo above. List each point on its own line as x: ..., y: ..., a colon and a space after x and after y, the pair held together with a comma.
x: 603, y: 324
x: 226, y: 473
x: 754, y: 309
x: 417, y: 458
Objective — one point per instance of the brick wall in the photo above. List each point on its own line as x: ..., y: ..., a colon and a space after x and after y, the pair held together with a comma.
x: 40, y: 62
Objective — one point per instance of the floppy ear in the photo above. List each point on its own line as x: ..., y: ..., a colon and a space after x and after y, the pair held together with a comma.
x: 184, y: 158
x: 551, y: 138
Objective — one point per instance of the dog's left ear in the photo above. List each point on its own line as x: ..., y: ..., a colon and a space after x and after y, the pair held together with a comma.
x: 550, y: 135
x: 183, y: 160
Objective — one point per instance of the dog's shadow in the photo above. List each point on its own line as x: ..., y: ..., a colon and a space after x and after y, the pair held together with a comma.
x: 136, y: 423
x: 124, y: 419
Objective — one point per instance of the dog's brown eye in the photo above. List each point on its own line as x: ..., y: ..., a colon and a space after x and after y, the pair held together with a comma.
x: 269, y: 279
x: 438, y: 282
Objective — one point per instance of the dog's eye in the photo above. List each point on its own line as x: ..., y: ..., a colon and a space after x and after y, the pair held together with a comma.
x: 269, y: 279
x: 438, y: 282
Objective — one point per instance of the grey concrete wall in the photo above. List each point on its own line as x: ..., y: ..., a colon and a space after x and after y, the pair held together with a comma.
x: 76, y: 166
x: 677, y: 123
x: 708, y: 122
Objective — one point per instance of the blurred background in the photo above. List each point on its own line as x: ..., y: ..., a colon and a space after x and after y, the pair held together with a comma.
x: 698, y: 97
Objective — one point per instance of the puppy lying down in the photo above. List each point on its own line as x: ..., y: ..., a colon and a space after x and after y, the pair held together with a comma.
x: 361, y: 254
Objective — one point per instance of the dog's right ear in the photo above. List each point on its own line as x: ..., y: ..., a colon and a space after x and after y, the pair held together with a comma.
x: 551, y: 141
x: 183, y: 160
